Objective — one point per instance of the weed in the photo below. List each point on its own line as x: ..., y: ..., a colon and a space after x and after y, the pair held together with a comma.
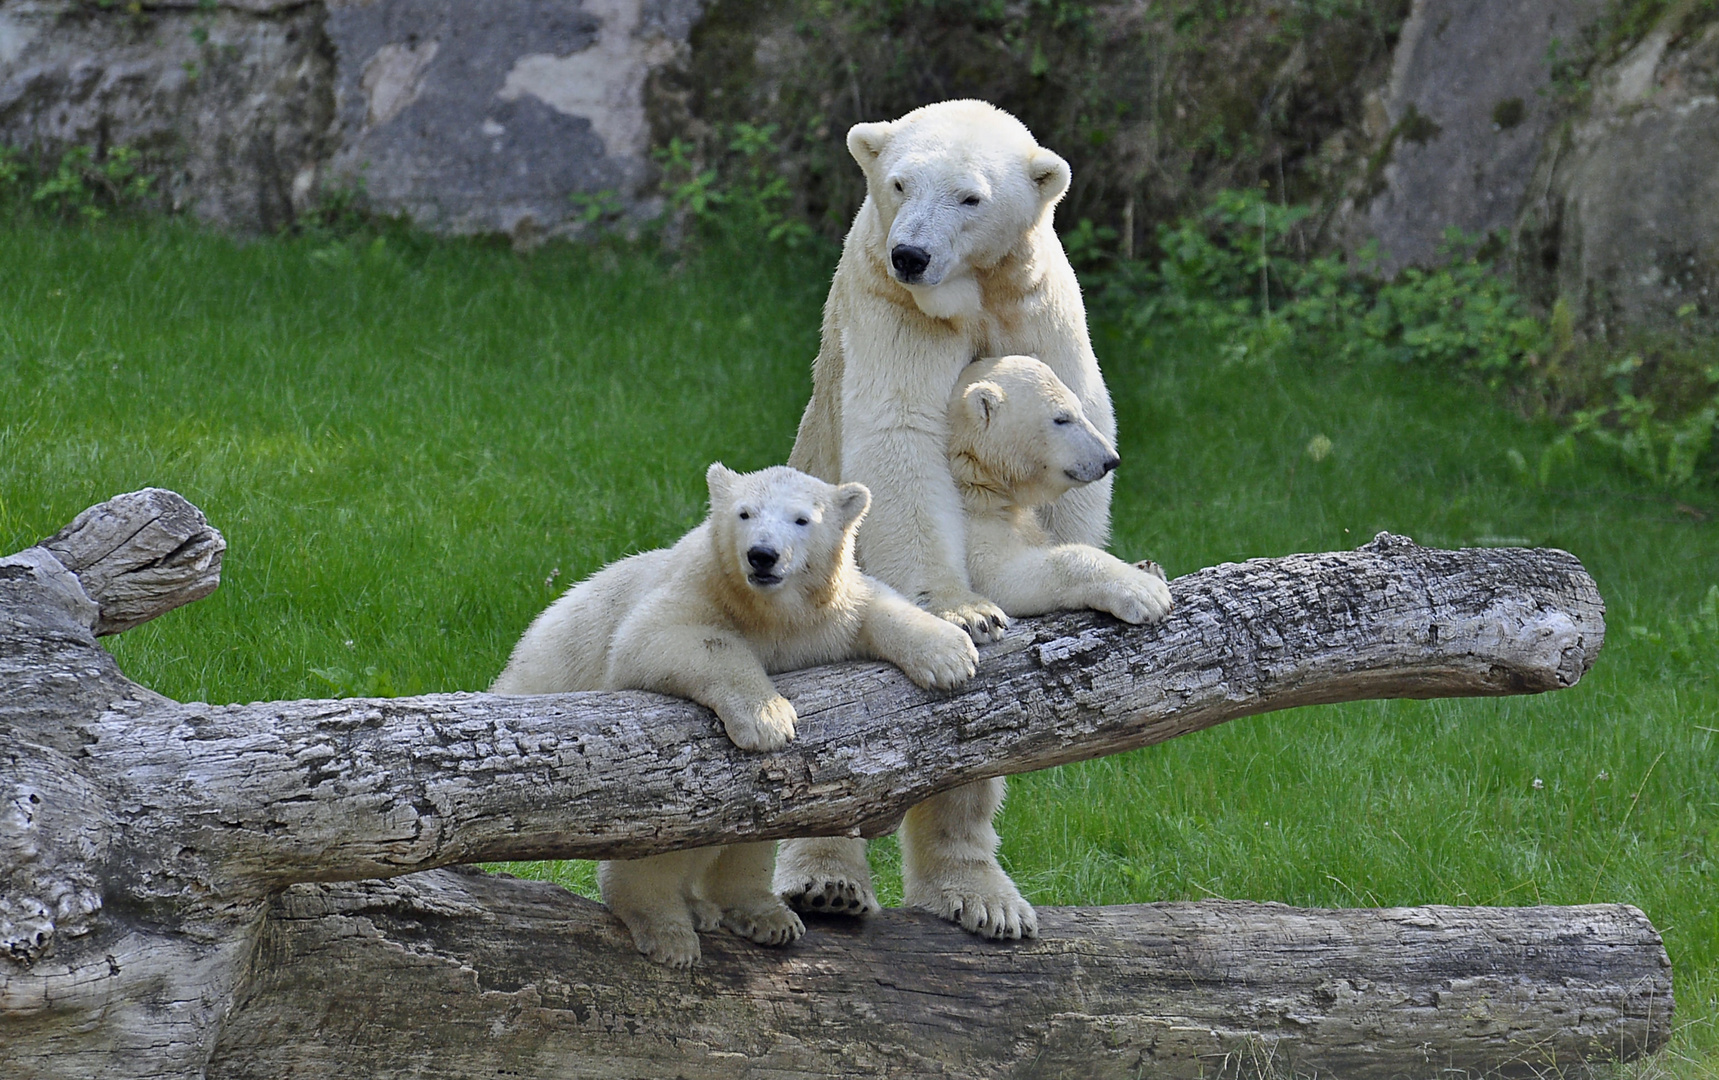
x: 751, y: 201
x: 86, y: 185
x: 1232, y: 270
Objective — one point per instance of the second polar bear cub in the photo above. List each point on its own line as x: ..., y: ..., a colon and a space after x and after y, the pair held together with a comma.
x: 767, y: 583
x: 1018, y: 440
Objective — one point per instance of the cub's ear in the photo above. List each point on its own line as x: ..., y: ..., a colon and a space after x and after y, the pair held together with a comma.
x: 983, y: 399
x: 1049, y: 173
x: 866, y: 142
x: 719, y: 478
x: 852, y: 501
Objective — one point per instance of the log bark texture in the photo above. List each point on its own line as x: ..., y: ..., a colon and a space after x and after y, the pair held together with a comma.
x: 145, y: 844
x: 453, y: 975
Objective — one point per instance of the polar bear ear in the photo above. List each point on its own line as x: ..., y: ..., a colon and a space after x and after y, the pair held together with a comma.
x: 983, y: 399
x: 1049, y: 173
x: 719, y: 478
x: 852, y: 501
x: 866, y: 142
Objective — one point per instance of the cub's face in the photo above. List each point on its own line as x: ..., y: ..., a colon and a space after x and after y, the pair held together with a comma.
x: 780, y: 528
x: 1015, y: 429
x: 956, y: 185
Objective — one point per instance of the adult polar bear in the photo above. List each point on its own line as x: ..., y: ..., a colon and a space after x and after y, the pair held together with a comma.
x: 951, y: 257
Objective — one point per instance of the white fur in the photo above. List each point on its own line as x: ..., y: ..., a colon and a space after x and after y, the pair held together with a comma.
x: 703, y: 621
x: 995, y: 281
x: 1017, y: 441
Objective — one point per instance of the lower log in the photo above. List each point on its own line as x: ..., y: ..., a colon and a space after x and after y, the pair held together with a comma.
x: 456, y: 974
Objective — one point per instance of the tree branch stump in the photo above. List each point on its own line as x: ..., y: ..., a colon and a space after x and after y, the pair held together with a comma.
x: 156, y: 855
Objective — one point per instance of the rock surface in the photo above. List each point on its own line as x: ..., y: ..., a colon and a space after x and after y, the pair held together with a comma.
x: 231, y: 107
x: 465, y: 116
x: 1624, y: 225
x: 1458, y: 129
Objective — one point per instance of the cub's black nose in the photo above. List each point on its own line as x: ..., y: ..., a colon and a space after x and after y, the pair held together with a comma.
x: 761, y: 558
x: 1111, y: 462
x: 909, y: 262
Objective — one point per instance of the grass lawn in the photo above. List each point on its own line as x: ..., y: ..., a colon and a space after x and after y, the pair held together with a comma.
x: 412, y: 447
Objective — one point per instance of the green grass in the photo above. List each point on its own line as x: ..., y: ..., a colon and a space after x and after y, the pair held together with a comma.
x: 412, y: 447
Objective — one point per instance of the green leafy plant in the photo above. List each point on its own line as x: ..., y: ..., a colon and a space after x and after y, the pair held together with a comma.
x: 1235, y: 270
x: 753, y: 201
x: 596, y: 208
x: 89, y: 186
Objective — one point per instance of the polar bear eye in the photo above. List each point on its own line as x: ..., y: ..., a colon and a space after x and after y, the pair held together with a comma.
x: 898, y: 187
x: 1062, y: 420
x: 971, y: 200
x: 745, y: 515
x: 801, y: 520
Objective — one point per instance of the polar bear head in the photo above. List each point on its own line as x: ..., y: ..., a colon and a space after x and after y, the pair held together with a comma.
x: 1017, y: 434
x: 779, y: 532
x: 956, y: 187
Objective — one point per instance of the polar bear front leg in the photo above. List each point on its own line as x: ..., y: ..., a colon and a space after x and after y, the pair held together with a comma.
x: 949, y: 863
x: 712, y: 666
x: 895, y: 441
x: 652, y: 896
x: 1036, y: 580
x: 827, y: 874
x: 928, y: 650
x: 738, y: 883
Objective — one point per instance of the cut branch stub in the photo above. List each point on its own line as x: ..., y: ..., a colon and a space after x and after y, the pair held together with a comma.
x: 140, y: 555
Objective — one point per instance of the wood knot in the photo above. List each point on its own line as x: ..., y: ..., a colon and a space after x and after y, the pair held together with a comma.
x: 1387, y: 543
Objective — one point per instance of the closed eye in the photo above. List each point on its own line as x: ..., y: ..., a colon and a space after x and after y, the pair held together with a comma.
x: 1061, y: 420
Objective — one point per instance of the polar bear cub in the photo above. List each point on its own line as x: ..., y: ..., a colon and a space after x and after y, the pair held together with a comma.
x: 1018, y: 440
x: 767, y: 583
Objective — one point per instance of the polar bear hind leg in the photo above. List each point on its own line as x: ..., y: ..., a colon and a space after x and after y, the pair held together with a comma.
x: 738, y: 884
x: 826, y: 874
x: 949, y: 863
x: 651, y: 896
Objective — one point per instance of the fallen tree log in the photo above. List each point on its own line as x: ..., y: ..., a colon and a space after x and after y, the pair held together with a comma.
x: 148, y: 843
x: 479, y: 976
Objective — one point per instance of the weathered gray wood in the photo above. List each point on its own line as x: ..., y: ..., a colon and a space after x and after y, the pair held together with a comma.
x: 139, y: 555
x: 451, y: 975
x: 325, y: 790
x: 142, y: 841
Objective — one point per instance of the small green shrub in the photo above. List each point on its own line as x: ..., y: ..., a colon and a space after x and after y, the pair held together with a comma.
x: 87, y: 185
x: 1234, y: 270
x: 753, y: 200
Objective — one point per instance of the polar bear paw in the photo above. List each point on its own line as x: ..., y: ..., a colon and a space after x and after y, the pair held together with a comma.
x: 944, y: 660
x: 1135, y: 596
x: 672, y: 944
x: 835, y: 895
x: 768, y: 922
x: 831, y: 894
x: 983, y: 620
x: 705, y: 915
x: 769, y: 727
x: 982, y: 899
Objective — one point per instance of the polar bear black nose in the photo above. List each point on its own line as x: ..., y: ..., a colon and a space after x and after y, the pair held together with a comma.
x: 909, y: 262
x: 1110, y: 463
x: 761, y: 558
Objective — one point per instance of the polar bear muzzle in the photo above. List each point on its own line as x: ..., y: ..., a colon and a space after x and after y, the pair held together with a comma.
x: 909, y: 263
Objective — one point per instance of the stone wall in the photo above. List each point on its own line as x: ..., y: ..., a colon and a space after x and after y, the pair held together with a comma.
x: 464, y: 115
x: 1622, y: 222
x: 1458, y: 130
x: 484, y: 116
